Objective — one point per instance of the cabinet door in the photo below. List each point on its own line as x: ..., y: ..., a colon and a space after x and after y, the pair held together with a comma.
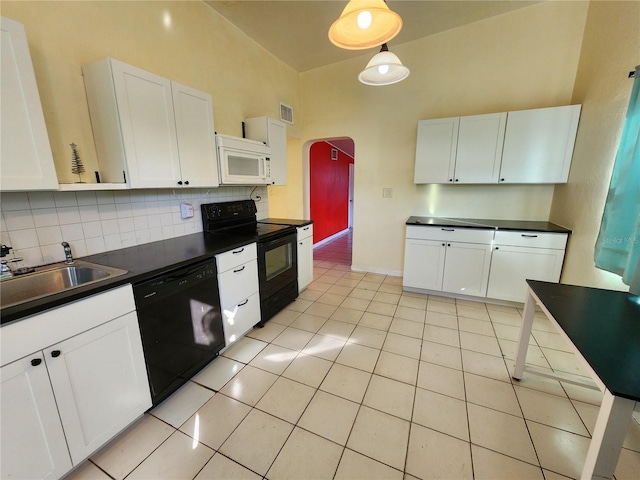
x: 33, y: 443
x: 305, y: 262
x: 195, y: 133
x: 511, y: 266
x: 148, y: 129
x: 423, y: 264
x: 538, y: 145
x: 277, y: 132
x: 239, y: 318
x: 466, y: 269
x: 479, y: 150
x: 100, y: 383
x: 26, y: 161
x: 436, y: 150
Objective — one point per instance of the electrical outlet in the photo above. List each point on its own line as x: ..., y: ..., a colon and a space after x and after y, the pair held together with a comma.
x: 186, y: 210
x: 387, y: 192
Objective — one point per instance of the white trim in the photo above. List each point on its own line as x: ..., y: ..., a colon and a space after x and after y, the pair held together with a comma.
x: 382, y: 271
x: 329, y: 239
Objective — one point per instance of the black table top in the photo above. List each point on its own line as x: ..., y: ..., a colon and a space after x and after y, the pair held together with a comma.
x: 520, y: 225
x: 604, y: 325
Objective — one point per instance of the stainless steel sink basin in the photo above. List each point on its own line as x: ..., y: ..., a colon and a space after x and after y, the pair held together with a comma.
x: 53, y: 279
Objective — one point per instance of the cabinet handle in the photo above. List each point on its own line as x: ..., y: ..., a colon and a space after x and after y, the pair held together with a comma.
x: 497, y: 248
x: 502, y: 179
x: 457, y: 180
x: 443, y: 244
x: 239, y: 270
x: 448, y: 229
x: 448, y: 244
x: 180, y: 182
x: 529, y: 236
x: 238, y: 251
x: 186, y: 182
x: 451, y: 179
x: 300, y: 243
x: 56, y: 353
x: 243, y: 303
x: 36, y: 361
x: 306, y: 228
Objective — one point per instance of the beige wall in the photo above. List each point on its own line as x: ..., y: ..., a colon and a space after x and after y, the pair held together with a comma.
x: 610, y: 49
x: 524, y: 59
x: 199, y: 49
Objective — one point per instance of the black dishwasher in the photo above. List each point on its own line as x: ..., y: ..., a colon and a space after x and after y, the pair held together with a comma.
x: 180, y: 323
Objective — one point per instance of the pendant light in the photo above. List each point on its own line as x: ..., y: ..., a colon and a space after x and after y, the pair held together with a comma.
x: 365, y: 24
x: 385, y: 68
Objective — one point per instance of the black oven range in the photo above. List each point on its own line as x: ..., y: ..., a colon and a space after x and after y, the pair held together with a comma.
x: 276, y: 245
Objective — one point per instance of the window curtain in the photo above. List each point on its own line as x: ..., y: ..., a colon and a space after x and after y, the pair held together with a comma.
x: 618, y: 245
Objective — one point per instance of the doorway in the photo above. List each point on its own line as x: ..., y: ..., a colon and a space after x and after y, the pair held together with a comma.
x: 329, y: 186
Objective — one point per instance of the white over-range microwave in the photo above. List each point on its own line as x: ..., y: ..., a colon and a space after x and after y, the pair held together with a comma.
x: 242, y: 161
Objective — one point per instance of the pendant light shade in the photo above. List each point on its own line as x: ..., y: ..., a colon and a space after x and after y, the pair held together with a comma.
x: 385, y: 68
x: 365, y: 24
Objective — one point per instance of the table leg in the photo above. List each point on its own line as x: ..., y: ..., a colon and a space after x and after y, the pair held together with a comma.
x: 608, y: 436
x: 525, y: 334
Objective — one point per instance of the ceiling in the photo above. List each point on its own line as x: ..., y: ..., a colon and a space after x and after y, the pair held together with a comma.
x: 296, y: 31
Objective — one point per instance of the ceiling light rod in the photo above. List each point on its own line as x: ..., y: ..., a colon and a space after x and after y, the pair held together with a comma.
x: 385, y: 68
x: 365, y: 24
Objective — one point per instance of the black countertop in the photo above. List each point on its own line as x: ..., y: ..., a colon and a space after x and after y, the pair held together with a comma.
x: 286, y: 221
x: 520, y: 225
x: 142, y: 262
x: 603, y: 326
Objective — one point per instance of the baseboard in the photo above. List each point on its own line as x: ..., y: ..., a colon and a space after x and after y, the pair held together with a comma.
x: 381, y: 271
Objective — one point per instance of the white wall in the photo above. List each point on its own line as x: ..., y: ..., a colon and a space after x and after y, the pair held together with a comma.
x: 524, y: 59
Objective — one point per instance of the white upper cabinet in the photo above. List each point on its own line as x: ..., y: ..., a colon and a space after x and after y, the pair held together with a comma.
x: 149, y: 132
x: 274, y: 133
x: 26, y: 160
x: 538, y: 145
x: 528, y: 146
x: 479, y: 150
x: 460, y: 149
x: 436, y: 150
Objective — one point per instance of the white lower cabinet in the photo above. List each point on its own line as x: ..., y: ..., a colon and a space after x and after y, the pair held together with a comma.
x: 239, y: 291
x: 63, y: 402
x: 434, y: 261
x: 476, y: 263
x: 33, y: 442
x: 305, y: 256
x: 512, y: 264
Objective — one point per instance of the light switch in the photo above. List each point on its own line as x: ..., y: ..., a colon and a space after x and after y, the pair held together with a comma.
x: 186, y: 210
x: 387, y: 192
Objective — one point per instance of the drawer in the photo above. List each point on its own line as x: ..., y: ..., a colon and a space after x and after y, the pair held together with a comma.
x: 451, y: 234
x: 532, y: 239
x: 305, y: 232
x: 233, y: 258
x: 239, y: 318
x: 238, y: 283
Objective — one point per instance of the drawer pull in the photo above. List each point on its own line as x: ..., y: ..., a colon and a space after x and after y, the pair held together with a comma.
x: 36, y: 361
x: 240, y: 269
x: 306, y: 228
x: 448, y: 229
x: 243, y: 303
x: 238, y: 251
x: 56, y: 353
x: 529, y: 236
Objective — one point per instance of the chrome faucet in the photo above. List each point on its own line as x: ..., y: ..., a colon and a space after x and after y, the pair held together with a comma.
x: 67, y: 253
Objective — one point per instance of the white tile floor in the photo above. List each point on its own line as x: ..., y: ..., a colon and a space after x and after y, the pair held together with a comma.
x: 360, y: 380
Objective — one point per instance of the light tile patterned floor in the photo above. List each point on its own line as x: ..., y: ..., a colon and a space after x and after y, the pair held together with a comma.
x: 360, y: 380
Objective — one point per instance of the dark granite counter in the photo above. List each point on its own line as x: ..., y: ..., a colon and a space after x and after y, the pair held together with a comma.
x: 141, y: 262
x: 520, y: 225
x: 287, y: 221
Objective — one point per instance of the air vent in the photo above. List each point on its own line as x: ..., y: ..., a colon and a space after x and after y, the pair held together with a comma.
x: 334, y: 154
x: 286, y: 113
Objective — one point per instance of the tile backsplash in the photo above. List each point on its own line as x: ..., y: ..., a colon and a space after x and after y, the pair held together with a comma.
x: 35, y: 223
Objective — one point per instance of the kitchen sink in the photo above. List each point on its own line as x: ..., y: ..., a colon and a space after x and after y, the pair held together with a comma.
x: 53, y: 279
